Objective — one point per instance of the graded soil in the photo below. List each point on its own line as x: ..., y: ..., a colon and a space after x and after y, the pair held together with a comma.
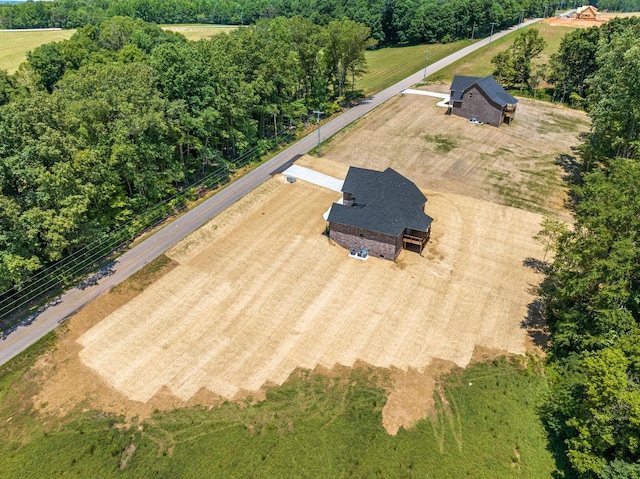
x: 259, y: 292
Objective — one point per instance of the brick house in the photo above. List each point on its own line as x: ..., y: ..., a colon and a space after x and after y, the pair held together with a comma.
x: 587, y: 12
x: 381, y: 211
x: 481, y: 98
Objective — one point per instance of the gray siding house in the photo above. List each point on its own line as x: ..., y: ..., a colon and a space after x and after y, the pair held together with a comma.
x: 482, y: 98
x: 381, y: 211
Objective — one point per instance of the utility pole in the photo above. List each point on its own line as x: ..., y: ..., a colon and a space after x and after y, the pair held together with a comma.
x: 426, y: 61
x: 473, y: 31
x: 521, y: 18
x: 493, y: 24
x: 545, y: 11
x: 317, y: 113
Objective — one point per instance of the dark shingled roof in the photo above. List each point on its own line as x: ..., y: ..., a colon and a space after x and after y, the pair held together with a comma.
x: 488, y: 85
x: 384, y: 201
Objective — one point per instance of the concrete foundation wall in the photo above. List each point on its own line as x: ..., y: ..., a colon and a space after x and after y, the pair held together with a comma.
x: 378, y: 244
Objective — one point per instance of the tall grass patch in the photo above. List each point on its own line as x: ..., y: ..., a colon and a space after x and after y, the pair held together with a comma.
x: 485, y: 425
x: 443, y: 143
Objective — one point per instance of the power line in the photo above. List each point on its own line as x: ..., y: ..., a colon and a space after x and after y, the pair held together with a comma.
x: 318, y: 113
x: 61, y: 274
x: 426, y: 62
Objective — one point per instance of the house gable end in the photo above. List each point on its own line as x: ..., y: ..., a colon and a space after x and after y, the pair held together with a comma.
x: 476, y: 89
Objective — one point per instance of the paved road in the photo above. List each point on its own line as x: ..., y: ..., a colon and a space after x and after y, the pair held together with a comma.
x: 148, y: 250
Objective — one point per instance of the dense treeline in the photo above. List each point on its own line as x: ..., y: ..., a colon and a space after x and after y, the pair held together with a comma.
x: 390, y: 21
x: 97, y: 128
x: 571, y: 69
x: 592, y: 291
x: 617, y: 5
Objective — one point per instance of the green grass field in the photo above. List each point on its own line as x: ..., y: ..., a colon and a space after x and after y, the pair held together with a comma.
x: 312, y: 426
x: 16, y: 44
x: 387, y: 66
x: 479, y: 64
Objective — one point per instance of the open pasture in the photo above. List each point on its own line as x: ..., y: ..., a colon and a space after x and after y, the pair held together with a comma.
x: 16, y: 44
x: 479, y: 64
x: 387, y: 66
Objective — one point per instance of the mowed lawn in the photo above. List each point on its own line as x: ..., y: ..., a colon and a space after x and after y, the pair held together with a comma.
x: 387, y: 66
x: 16, y: 44
x: 516, y: 165
x: 479, y: 64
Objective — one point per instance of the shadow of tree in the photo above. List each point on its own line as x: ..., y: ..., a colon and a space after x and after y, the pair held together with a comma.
x: 535, y: 324
x: 536, y: 264
x: 557, y: 447
x: 571, y: 167
x: 572, y: 174
x: 536, y: 327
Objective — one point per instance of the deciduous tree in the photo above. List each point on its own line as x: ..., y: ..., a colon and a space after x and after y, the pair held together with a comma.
x: 513, y: 66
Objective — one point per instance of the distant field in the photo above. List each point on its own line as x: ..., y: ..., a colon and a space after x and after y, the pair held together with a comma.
x: 390, y: 65
x: 625, y: 14
x: 16, y: 44
x: 198, y: 32
x: 479, y: 63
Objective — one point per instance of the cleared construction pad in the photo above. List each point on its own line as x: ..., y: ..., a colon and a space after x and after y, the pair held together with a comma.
x: 259, y: 292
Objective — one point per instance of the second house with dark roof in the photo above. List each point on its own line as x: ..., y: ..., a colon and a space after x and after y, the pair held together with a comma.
x: 483, y: 99
x: 381, y: 211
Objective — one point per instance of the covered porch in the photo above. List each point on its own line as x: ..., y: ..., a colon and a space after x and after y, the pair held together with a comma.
x: 509, y: 114
x: 415, y: 240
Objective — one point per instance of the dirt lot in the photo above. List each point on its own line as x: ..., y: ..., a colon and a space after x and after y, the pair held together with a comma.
x: 575, y: 23
x: 259, y: 292
x: 512, y: 165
